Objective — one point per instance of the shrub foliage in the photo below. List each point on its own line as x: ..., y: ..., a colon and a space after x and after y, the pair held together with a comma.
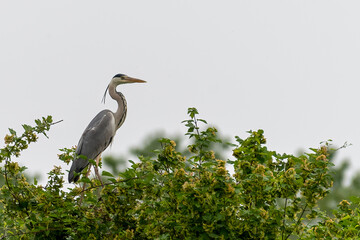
x: 267, y: 195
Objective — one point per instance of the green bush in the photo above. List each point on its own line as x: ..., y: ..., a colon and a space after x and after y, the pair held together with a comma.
x: 170, y: 196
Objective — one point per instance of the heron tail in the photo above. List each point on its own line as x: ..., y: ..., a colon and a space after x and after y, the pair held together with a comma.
x: 77, y: 166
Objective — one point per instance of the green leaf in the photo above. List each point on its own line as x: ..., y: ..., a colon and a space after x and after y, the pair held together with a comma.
x: 12, y: 131
x: 202, y: 120
x: 106, y: 174
x: 85, y: 180
x: 27, y: 128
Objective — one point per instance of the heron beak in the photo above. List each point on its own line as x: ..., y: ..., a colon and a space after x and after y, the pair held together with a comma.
x: 133, y: 80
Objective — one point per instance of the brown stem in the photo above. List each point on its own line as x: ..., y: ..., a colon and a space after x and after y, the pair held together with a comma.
x: 298, y: 221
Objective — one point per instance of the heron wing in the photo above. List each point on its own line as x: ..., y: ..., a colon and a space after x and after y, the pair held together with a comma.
x: 95, y: 139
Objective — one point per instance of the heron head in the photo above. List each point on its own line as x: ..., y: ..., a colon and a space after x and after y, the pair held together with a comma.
x: 122, y: 79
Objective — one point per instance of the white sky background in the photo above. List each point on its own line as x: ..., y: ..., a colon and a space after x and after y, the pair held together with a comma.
x: 288, y: 67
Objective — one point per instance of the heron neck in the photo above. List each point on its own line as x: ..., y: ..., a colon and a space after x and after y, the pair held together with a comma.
x: 120, y: 113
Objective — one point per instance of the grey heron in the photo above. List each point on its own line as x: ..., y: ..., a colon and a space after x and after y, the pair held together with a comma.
x: 101, y: 130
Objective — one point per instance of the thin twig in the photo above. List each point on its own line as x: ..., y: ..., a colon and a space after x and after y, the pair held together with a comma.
x: 56, y: 122
x: 298, y: 221
x: 199, y: 138
x: 8, y: 159
x: 282, y: 234
x: 7, y: 183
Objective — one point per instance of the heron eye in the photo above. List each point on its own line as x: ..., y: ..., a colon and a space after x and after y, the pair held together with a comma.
x: 120, y: 75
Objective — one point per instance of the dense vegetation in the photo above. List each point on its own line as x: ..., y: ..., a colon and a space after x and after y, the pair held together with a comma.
x: 172, y: 195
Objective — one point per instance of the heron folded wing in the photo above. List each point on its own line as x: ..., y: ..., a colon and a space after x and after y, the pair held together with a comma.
x: 95, y: 139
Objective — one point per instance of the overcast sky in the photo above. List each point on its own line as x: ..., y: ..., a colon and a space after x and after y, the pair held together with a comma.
x: 288, y: 67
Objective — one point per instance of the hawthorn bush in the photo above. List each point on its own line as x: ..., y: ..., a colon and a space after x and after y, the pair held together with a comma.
x: 170, y: 196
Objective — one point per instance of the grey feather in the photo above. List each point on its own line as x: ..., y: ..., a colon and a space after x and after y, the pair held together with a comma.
x: 95, y: 139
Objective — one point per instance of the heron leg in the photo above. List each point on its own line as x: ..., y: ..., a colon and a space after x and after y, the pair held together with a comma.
x: 84, y: 185
x: 97, y: 170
